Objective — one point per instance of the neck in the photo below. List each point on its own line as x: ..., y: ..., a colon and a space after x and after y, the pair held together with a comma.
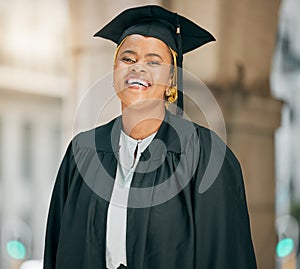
x: 139, y: 124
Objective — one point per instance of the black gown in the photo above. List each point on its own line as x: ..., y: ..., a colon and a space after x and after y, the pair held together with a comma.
x: 187, y: 206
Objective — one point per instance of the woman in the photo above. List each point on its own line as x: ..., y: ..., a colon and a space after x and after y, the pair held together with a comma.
x: 128, y: 194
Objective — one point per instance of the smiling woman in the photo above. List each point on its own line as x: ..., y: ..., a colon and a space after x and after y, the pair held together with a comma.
x: 127, y: 193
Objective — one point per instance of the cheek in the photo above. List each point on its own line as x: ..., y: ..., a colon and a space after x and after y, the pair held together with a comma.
x: 162, y: 78
x: 119, y: 74
x: 118, y: 77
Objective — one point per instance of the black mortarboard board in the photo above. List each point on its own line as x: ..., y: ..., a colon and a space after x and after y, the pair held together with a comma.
x: 178, y: 32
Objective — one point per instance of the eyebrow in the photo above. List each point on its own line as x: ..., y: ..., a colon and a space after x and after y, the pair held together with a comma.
x: 129, y: 51
x: 147, y: 55
x: 153, y: 55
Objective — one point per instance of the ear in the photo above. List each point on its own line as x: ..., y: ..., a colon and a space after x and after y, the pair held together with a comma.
x: 171, y: 77
x: 169, y: 84
x: 168, y: 91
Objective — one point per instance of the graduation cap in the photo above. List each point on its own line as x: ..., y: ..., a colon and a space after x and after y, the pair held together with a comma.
x: 178, y: 32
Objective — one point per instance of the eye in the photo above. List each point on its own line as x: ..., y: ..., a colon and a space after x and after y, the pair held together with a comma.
x: 153, y: 63
x: 128, y: 60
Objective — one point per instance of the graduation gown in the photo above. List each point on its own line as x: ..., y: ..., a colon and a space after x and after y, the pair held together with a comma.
x: 172, y: 220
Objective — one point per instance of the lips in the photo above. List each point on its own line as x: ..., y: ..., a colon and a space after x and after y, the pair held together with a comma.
x: 138, y: 83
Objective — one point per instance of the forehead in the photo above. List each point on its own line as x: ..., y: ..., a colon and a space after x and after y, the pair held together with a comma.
x: 139, y: 43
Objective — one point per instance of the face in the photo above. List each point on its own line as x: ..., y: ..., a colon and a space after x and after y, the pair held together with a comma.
x: 142, y: 71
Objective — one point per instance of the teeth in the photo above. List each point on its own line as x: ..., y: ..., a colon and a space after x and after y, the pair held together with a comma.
x: 138, y: 82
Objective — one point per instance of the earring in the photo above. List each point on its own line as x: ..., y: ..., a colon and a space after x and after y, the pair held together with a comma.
x: 171, y: 94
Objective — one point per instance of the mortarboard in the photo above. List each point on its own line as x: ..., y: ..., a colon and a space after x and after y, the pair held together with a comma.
x: 178, y: 32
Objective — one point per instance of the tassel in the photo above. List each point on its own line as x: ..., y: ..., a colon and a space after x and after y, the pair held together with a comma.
x: 179, y: 111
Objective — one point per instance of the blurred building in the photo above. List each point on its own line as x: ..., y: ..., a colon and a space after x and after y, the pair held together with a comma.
x: 285, y: 84
x: 33, y: 84
x: 285, y: 79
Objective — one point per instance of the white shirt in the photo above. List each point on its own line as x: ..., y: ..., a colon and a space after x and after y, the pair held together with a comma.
x: 117, y: 209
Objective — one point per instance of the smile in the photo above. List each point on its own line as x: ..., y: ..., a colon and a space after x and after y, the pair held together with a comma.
x: 137, y: 82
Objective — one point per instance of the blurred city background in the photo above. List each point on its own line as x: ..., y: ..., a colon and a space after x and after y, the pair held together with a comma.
x: 49, y: 62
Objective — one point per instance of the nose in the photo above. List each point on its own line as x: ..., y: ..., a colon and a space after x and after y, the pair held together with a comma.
x: 138, y: 68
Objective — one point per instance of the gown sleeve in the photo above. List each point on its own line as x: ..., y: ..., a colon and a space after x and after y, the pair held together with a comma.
x: 56, y: 208
x: 223, y: 237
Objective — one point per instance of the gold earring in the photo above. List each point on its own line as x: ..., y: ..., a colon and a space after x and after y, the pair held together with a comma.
x: 171, y: 94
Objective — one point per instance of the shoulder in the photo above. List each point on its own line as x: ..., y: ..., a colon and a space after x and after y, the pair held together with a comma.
x: 212, y: 147
x: 187, y: 126
x: 192, y: 130
x: 212, y: 160
x: 99, y: 138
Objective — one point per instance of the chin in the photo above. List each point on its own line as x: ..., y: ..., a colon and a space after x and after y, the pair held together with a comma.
x: 145, y: 105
